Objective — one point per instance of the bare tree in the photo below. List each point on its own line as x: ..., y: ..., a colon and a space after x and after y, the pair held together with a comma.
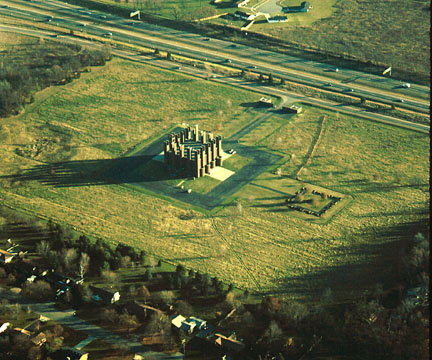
x: 143, y: 292
x: 69, y: 258
x: 327, y: 297
x: 166, y: 297
x: 128, y: 321
x: 152, y: 262
x: 273, y: 332
x: 109, y: 277
x: 232, y: 300
x: 110, y: 315
x: 34, y: 353
x: 240, y: 208
x: 43, y: 248
x: 83, y: 264
x: 38, y: 290
x: 158, y: 323
x: 125, y: 261
x: 182, y: 307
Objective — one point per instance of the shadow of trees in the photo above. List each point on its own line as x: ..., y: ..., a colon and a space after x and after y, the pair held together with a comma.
x: 389, y: 247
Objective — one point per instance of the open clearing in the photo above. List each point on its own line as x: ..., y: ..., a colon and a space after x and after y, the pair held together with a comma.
x: 100, y: 116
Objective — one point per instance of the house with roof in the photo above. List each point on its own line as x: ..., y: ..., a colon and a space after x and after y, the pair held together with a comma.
x: 188, y: 326
x: 177, y: 320
x: 241, y: 3
x: 155, y: 339
x: 103, y: 296
x: 39, y: 339
x: 23, y: 331
x: 229, y: 343
x: 67, y: 353
x: 305, y: 6
x: 265, y: 102
x: 199, y: 323
x: 205, y: 331
x: 180, y: 322
x: 276, y: 19
x: 6, y: 256
x: 4, y: 326
x: 142, y: 311
x: 244, y: 16
x: 292, y: 109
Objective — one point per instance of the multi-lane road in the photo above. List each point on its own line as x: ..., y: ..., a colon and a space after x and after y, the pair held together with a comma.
x: 376, y: 88
x: 287, y: 97
x: 354, y: 83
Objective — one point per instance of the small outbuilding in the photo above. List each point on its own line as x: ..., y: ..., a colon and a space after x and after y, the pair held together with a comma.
x: 199, y: 323
x: 244, y: 16
x: 293, y: 109
x: 229, y: 343
x: 305, y: 6
x: 265, y: 102
x: 241, y: 3
x: 6, y: 256
x: 177, y: 320
x: 276, y: 19
x: 104, y: 296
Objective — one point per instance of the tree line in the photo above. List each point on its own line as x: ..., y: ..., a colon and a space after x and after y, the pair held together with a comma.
x: 25, y: 70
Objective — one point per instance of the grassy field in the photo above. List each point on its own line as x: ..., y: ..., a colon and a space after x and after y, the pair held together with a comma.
x: 320, y: 10
x: 106, y: 112
x: 383, y: 33
x: 171, y: 9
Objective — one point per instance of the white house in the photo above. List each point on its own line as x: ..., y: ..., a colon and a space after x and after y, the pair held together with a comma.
x: 276, y: 19
x: 6, y: 256
x: 177, y: 320
x: 244, y: 16
x: 199, y: 323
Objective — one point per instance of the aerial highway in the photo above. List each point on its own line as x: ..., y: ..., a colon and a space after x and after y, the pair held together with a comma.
x: 371, y: 87
x: 287, y: 96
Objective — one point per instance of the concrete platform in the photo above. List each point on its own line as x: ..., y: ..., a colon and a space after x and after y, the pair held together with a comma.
x: 220, y: 173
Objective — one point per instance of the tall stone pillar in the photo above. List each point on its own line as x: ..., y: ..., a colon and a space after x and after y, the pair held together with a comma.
x: 213, y: 146
x: 197, y: 164
x: 209, y: 155
x: 219, y: 145
x: 189, y: 159
x: 203, y: 137
x: 203, y: 157
x: 166, y: 151
x: 196, y: 134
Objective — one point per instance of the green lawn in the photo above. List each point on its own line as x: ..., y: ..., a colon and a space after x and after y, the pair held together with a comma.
x: 236, y: 162
x: 202, y: 185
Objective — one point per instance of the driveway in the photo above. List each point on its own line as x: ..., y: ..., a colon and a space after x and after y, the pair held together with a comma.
x: 270, y: 7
